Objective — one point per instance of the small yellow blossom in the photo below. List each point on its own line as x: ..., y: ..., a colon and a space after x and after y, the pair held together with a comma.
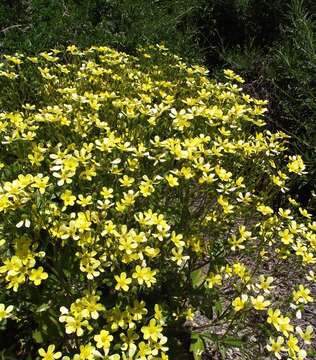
x: 292, y: 344
x: 265, y: 283
x: 284, y: 325
x: 259, y: 303
x: 152, y: 331
x: 37, y: 275
x: 172, y: 180
x: 273, y: 317
x: 68, y: 198
x: 302, y: 295
x: 240, y: 302
x: 296, y: 164
x: 103, y: 340
x: 276, y: 346
x: 122, y: 282
x: 5, y: 312
x: 306, y: 335
x: 213, y: 280
x: 50, y: 354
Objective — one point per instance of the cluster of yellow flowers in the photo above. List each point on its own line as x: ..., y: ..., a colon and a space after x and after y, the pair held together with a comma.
x: 119, y: 175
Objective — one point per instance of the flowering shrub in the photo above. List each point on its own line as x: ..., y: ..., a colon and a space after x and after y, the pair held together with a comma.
x: 136, y: 192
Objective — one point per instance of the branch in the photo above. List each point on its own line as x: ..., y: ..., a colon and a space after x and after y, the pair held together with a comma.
x: 10, y: 27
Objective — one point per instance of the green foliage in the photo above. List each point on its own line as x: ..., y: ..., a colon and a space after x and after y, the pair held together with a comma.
x: 292, y: 72
x: 36, y: 25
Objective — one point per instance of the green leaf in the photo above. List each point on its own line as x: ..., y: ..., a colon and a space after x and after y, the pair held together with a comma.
x: 228, y: 341
x: 197, y: 346
x: 197, y: 277
x: 210, y: 336
x: 234, y: 342
x: 43, y: 307
x: 218, y: 308
x: 222, y: 351
x: 37, y: 336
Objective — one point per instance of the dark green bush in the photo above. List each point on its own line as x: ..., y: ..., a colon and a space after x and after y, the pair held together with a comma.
x: 34, y: 25
x: 292, y: 73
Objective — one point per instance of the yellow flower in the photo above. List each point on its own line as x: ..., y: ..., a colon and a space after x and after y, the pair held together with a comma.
x: 300, y: 355
x: 311, y: 276
x: 122, y: 282
x: 172, y: 180
x: 146, y: 186
x: 265, y: 283
x: 286, y: 237
x: 222, y: 173
x: 143, y: 351
x: 72, y: 48
x: 177, y: 239
x: 189, y: 314
x: 232, y: 76
x: 12, y: 266
x: 178, y: 256
x: 213, y: 279
x: 107, y: 193
x: 37, y: 275
x: 152, y: 331
x: 127, y: 243
x: 5, y: 312
x: 302, y: 295
x: 84, y: 201
x: 49, y: 354
x: 139, y: 310
x: 186, y: 172
x: 144, y: 274
x: 236, y: 243
x: 276, y: 347
x: 306, y: 335
x: 240, y: 302
x: 285, y: 213
x: 240, y: 270
x: 140, y: 274
x: 103, y: 340
x: 292, y: 344
x: 15, y: 60
x: 74, y: 325
x: 68, y: 198
x: 273, y: 318
x: 15, y: 281
x: 284, y: 325
x: 91, y: 306
x: 48, y: 56
x: 126, y: 181
x: 259, y: 303
x: 227, y: 208
x: 296, y: 164
x: 40, y: 183
x: 87, y: 352
x: 181, y: 119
